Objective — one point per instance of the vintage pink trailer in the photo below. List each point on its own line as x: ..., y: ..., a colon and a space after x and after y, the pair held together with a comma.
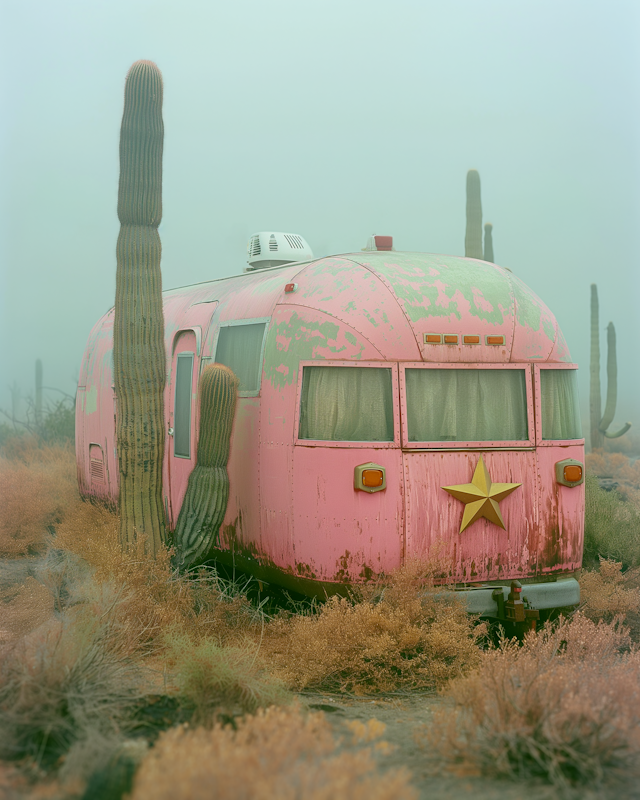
x: 390, y: 403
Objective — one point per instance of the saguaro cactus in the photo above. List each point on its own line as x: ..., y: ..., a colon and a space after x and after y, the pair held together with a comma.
x: 205, y: 501
x: 138, y: 334
x: 600, y: 424
x: 473, y: 237
x: 488, y: 242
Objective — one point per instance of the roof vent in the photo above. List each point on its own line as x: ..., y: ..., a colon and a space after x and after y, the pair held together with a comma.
x: 267, y: 249
x: 384, y: 243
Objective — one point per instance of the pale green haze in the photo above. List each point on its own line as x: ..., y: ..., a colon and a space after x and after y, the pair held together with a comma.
x: 335, y: 120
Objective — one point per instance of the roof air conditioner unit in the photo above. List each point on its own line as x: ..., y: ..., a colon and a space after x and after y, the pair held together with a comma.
x: 267, y: 249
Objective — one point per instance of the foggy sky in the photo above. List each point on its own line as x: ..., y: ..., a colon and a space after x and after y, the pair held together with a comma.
x: 335, y: 120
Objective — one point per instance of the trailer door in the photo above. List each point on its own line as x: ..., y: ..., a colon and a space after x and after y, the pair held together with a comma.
x: 470, y: 471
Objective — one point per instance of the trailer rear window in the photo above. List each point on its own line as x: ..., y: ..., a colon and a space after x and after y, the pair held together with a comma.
x: 466, y: 405
x: 346, y: 404
x: 560, y: 404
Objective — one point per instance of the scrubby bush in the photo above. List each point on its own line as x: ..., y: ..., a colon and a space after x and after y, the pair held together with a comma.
x: 612, y: 527
x: 604, y: 595
x: 279, y: 753
x: 216, y: 681
x: 406, y: 635
x: 37, y: 490
x: 564, y: 706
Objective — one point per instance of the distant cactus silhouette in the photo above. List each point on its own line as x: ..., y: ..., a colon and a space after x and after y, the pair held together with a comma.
x: 38, y: 404
x: 600, y: 424
x: 205, y: 501
x: 138, y: 335
x: 473, y: 236
x: 488, y: 242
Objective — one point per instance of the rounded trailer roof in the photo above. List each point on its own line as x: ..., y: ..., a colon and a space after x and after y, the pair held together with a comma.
x: 401, y: 301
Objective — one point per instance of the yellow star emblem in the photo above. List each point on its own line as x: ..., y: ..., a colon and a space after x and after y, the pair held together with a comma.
x: 481, y: 497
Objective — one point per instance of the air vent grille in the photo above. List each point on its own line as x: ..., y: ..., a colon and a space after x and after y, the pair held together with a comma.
x: 294, y: 241
x: 96, y: 470
x: 273, y: 244
x: 254, y: 246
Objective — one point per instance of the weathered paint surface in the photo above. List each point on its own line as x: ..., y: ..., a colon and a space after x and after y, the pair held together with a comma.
x: 293, y: 506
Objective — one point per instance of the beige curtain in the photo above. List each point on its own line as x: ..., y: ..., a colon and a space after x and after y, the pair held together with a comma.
x: 466, y: 405
x: 239, y: 348
x: 560, y: 404
x: 346, y: 404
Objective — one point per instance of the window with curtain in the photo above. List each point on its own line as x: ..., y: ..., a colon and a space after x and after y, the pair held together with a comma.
x: 466, y: 405
x: 240, y: 348
x: 346, y: 404
x: 560, y: 404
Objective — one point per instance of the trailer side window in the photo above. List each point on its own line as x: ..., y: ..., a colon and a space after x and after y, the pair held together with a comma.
x: 182, y: 406
x: 560, y: 404
x: 346, y: 404
x: 240, y: 349
x: 466, y: 405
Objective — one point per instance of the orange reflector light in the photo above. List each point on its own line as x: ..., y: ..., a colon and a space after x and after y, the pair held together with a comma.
x: 471, y: 340
x: 433, y: 338
x: 290, y: 287
x: 495, y: 340
x: 451, y: 338
x: 372, y: 477
x: 572, y: 473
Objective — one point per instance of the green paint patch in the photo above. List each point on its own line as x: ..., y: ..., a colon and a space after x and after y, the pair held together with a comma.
x: 350, y: 338
x: 531, y: 311
x: 91, y: 402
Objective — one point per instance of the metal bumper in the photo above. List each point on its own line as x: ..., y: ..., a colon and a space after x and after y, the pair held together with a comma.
x: 564, y: 592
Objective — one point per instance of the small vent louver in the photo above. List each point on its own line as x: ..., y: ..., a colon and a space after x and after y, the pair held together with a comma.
x: 273, y: 249
x: 96, y: 469
x: 273, y: 244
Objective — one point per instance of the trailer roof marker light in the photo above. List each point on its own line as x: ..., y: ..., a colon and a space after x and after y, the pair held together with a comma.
x: 451, y: 338
x: 369, y: 477
x: 433, y: 338
x: 290, y: 287
x: 494, y: 340
x: 470, y: 340
x: 481, y: 497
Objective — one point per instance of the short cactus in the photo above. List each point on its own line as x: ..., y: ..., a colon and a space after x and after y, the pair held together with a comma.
x: 139, y: 362
x: 488, y: 242
x: 205, y: 501
x: 599, y: 424
x: 473, y: 237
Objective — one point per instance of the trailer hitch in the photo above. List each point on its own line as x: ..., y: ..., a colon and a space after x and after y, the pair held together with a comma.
x: 516, y: 609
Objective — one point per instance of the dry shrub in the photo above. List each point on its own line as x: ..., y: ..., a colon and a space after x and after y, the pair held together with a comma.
x: 277, y: 753
x: 68, y: 676
x: 155, y: 598
x: 564, y: 706
x: 24, y: 608
x: 220, y: 681
x: 611, y: 527
x: 37, y: 490
x: 406, y: 636
x: 604, y: 594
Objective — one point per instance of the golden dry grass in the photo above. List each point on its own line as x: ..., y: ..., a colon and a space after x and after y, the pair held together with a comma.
x: 606, y: 594
x: 37, y: 489
x: 405, y: 635
x: 564, y: 706
x: 279, y: 753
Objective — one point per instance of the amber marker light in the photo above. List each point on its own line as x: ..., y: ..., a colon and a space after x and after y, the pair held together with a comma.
x: 369, y: 477
x: 569, y: 472
x: 433, y: 338
x: 451, y: 338
x: 495, y: 340
x: 471, y: 340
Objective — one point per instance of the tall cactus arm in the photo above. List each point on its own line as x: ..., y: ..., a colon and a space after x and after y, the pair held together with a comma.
x: 622, y: 431
x: 612, y: 380
x: 473, y: 236
x: 595, y: 415
x: 488, y: 242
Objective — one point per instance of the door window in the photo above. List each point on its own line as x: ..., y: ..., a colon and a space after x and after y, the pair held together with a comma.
x: 182, y: 406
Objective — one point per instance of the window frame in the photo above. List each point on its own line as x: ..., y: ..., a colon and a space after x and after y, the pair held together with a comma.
x: 484, y: 445
x: 540, y: 442
x: 392, y: 366
x: 235, y: 323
